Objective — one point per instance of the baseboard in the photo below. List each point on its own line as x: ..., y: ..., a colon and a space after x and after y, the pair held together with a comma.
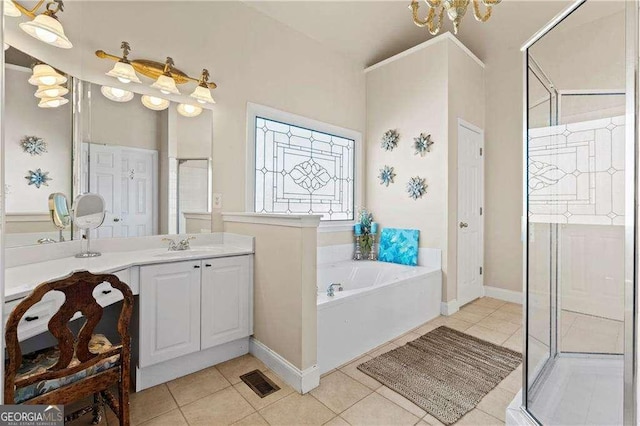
x: 450, y: 307
x: 301, y: 380
x: 165, y: 371
x: 503, y: 294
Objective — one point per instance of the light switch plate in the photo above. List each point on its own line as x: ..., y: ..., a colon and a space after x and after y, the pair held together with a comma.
x: 217, y: 201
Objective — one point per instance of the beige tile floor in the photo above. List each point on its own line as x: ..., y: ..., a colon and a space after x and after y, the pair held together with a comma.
x: 216, y: 396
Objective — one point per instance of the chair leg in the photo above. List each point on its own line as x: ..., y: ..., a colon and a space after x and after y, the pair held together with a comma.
x: 97, y: 405
x: 123, y: 395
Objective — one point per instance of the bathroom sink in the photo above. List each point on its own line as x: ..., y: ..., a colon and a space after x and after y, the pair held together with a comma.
x: 200, y: 251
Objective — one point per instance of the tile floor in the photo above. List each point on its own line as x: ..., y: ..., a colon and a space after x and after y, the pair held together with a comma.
x: 216, y: 396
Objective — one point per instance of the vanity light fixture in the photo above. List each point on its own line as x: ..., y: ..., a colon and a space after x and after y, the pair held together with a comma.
x: 165, y: 75
x: 52, y: 102
x: 154, y: 103
x: 187, y: 110
x: 202, y: 94
x: 10, y: 9
x: 54, y: 91
x: 123, y: 70
x: 45, y: 26
x: 116, y: 94
x: 45, y: 75
x: 165, y: 83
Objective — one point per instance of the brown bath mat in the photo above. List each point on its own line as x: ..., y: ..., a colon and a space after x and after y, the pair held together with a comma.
x: 444, y: 372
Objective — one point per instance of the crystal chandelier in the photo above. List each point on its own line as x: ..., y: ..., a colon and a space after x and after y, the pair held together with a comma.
x: 455, y: 9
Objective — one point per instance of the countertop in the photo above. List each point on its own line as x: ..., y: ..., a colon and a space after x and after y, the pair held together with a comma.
x: 21, y: 280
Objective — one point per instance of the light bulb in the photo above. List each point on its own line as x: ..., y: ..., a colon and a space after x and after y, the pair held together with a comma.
x: 52, y: 93
x: 54, y: 103
x: 45, y: 35
x: 154, y: 100
x: 189, y: 108
x: 47, y: 81
x: 166, y: 92
x: 201, y: 101
x: 124, y: 80
x: 118, y: 93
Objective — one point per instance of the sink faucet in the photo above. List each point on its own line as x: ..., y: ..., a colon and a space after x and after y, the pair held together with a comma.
x: 330, y: 289
x: 184, y: 244
x: 46, y: 241
x: 180, y: 245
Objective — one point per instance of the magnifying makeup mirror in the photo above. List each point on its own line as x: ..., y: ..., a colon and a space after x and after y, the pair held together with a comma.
x: 59, y: 209
x: 88, y: 214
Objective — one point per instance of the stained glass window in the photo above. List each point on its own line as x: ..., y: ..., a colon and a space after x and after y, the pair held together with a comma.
x: 303, y: 171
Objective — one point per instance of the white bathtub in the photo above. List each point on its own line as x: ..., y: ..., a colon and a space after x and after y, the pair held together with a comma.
x: 379, y: 302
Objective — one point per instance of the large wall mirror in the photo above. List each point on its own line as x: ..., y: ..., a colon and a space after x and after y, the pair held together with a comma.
x: 148, y: 159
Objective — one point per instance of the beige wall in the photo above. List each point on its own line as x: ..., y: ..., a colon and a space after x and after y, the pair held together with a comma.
x: 425, y: 91
x: 585, y: 56
x: 285, y: 308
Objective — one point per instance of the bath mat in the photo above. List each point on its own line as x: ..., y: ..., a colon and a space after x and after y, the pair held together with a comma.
x: 399, y: 246
x: 445, y: 372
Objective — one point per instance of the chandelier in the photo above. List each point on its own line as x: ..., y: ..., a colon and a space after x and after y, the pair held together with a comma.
x: 455, y: 9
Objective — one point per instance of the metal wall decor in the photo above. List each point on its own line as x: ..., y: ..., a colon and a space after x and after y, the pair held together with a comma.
x: 390, y: 139
x: 38, y: 178
x: 33, y: 145
x: 422, y: 144
x: 386, y: 175
x: 416, y: 187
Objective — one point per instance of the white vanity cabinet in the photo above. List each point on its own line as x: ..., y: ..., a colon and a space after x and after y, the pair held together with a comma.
x: 189, y: 307
x: 169, y: 311
x: 225, y: 295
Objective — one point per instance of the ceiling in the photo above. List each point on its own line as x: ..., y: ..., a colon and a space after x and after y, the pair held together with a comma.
x: 370, y: 31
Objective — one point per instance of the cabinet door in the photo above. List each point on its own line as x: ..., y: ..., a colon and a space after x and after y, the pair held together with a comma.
x: 169, y: 311
x: 225, y: 300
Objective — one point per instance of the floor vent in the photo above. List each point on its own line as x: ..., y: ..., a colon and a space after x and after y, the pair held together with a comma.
x: 259, y: 383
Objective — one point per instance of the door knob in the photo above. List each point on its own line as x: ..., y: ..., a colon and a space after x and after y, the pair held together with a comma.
x: 463, y: 225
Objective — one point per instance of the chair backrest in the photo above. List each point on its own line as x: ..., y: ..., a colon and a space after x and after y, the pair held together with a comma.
x: 78, y: 290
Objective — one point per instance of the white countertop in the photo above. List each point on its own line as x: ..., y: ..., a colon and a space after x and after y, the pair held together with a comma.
x: 21, y: 280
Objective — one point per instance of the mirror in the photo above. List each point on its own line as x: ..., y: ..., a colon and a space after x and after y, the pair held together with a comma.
x: 59, y: 208
x: 38, y: 147
x: 152, y: 168
x: 88, y: 214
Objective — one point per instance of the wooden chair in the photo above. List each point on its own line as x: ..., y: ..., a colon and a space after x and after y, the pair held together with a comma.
x: 74, y: 369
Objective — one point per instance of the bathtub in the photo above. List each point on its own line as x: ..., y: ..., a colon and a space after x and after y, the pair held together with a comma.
x: 379, y: 302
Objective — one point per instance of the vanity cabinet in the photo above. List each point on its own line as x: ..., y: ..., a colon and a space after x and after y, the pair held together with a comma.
x: 169, y: 311
x: 225, y: 295
x: 190, y: 306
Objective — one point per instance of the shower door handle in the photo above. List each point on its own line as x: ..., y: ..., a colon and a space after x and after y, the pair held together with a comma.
x: 463, y: 225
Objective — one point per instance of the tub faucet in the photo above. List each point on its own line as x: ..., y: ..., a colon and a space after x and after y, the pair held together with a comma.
x: 330, y: 289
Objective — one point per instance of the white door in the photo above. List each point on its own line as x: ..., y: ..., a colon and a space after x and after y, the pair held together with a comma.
x: 226, y: 296
x: 127, y: 179
x: 104, y: 179
x: 470, y: 203
x: 137, y: 197
x: 169, y: 311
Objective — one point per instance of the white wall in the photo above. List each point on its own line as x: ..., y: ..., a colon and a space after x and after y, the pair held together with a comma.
x: 195, y: 135
x: 24, y: 118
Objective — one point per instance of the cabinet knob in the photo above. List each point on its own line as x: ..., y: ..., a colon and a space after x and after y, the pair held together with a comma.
x: 29, y: 318
x: 208, y: 265
x: 196, y: 266
x: 106, y: 291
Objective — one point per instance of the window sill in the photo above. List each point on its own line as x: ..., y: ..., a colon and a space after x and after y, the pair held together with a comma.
x: 335, y: 227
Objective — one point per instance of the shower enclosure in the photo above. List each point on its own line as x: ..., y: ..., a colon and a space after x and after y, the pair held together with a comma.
x: 579, y: 223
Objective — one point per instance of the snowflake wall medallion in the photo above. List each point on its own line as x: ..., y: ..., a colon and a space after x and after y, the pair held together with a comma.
x: 33, y: 145
x: 416, y: 187
x: 38, y: 178
x: 422, y: 144
x: 386, y: 175
x: 390, y: 140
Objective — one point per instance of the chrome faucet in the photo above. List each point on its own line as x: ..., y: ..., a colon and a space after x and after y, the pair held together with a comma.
x: 180, y: 245
x: 330, y: 289
x: 46, y: 241
x: 184, y: 244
